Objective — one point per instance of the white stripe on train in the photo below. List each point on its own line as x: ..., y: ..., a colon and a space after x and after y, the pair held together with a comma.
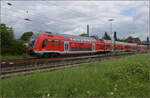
x: 70, y: 52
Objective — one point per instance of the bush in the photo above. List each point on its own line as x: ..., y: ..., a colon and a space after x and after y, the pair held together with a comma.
x: 19, y: 47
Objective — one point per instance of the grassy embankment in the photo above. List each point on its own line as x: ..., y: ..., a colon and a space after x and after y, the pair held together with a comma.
x: 9, y: 57
x: 116, y: 78
x: 25, y: 55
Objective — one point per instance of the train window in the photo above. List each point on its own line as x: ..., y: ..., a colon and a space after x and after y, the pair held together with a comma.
x: 115, y: 48
x: 127, y: 47
x: 53, y: 42
x: 134, y: 48
x: 44, y: 43
x: 98, y: 45
x: 81, y: 48
x: 59, y: 42
x: 31, y: 44
x: 107, y: 45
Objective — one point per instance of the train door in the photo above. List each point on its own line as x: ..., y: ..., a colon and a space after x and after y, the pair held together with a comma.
x: 93, y: 47
x: 66, y: 46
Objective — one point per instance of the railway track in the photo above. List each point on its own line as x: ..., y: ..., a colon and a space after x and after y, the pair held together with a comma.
x: 31, y: 65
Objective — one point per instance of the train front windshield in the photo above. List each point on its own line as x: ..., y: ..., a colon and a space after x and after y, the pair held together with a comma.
x: 32, y: 40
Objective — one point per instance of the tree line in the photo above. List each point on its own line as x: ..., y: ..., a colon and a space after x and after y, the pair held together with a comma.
x: 10, y: 45
x: 106, y: 36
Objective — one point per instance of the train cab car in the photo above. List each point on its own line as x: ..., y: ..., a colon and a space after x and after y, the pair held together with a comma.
x: 31, y: 45
x: 55, y: 44
x: 46, y: 44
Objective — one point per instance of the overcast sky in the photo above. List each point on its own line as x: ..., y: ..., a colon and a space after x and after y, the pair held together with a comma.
x: 131, y: 18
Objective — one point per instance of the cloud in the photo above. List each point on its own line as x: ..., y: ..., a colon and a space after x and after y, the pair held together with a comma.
x: 71, y: 17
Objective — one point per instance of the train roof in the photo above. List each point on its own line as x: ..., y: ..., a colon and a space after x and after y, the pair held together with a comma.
x: 66, y: 35
x: 117, y: 42
x: 107, y: 40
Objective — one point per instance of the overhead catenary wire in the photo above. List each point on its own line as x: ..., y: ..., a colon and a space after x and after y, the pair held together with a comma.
x: 45, y: 17
x: 41, y: 19
x: 58, y: 21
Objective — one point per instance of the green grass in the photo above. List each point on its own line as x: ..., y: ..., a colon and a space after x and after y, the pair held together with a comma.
x: 8, y: 57
x: 116, y: 78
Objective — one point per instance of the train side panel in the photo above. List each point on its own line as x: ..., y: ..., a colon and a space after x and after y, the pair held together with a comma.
x: 65, y: 44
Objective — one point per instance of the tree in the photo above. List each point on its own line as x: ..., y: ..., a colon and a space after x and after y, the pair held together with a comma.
x: 84, y: 34
x: 26, y: 36
x: 147, y: 39
x: 8, y: 44
x: 121, y: 40
x: 7, y: 37
x: 95, y: 37
x: 130, y: 39
x: 106, y: 36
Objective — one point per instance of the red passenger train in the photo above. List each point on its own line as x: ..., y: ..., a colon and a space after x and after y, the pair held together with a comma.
x: 55, y: 44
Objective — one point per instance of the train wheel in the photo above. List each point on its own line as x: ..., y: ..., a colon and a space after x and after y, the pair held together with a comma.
x: 39, y: 56
x: 46, y: 55
x: 54, y: 55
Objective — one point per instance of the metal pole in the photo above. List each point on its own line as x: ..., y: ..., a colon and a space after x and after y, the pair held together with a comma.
x: 149, y: 31
x: 112, y: 39
x: 149, y: 41
x: 88, y: 30
x: 111, y: 35
x: 111, y: 32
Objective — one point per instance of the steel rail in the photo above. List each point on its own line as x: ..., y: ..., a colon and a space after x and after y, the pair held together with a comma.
x: 54, y: 64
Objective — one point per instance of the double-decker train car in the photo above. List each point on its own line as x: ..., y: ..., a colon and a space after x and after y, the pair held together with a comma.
x: 127, y: 47
x: 55, y: 44
x: 108, y: 46
x: 100, y: 46
x: 133, y: 46
x: 119, y: 46
x: 143, y: 48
